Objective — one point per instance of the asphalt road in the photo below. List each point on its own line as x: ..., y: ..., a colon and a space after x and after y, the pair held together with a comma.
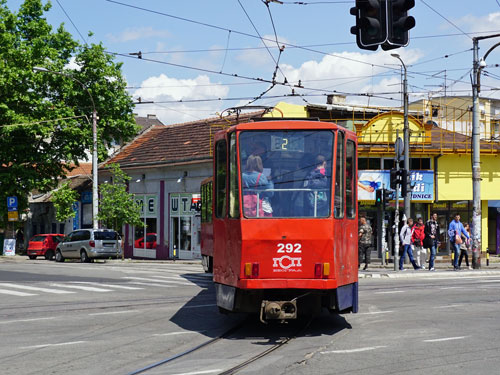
x: 116, y: 318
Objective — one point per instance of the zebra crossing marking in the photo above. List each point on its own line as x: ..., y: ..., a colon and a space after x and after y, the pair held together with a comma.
x: 81, y: 287
x: 35, y: 288
x: 14, y: 293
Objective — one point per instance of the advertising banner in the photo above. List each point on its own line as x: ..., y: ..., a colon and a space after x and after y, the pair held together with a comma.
x: 421, y: 180
x: 9, y: 247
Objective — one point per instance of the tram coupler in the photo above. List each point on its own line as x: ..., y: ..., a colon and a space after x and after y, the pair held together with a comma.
x: 281, y: 310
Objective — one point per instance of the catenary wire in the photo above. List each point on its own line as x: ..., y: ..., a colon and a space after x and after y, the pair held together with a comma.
x: 70, y: 20
x: 446, y: 19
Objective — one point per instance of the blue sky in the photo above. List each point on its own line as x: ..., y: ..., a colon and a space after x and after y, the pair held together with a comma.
x: 330, y: 60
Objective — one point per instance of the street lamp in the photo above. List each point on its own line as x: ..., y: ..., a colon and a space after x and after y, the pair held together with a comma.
x: 95, y: 181
x: 406, y: 138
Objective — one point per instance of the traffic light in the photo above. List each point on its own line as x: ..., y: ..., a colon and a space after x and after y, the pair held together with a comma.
x: 393, y: 179
x: 387, y: 197
x: 398, y: 23
x: 371, y: 23
x: 379, y: 196
x: 403, y: 181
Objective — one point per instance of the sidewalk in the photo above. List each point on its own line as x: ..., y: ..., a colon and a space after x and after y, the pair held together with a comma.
x: 443, y: 268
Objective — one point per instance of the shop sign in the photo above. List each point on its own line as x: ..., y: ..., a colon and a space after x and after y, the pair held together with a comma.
x: 184, y: 204
x: 369, y: 181
x: 86, y: 197
x: 147, y: 204
x: 460, y: 205
x: 440, y: 206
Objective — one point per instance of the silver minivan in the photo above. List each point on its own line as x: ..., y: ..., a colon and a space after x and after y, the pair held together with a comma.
x: 88, y: 244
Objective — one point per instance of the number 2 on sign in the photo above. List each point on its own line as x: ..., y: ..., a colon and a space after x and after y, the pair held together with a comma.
x: 295, y: 248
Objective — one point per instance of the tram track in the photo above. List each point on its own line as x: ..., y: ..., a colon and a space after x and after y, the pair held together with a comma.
x: 225, y: 335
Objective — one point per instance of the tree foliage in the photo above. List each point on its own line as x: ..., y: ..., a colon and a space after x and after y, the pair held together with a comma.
x: 45, y: 118
x: 63, y: 199
x: 117, y: 206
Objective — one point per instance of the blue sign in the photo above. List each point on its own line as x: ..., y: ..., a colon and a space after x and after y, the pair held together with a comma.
x: 12, y: 203
x: 421, y: 180
x: 86, y: 197
x: 76, y: 219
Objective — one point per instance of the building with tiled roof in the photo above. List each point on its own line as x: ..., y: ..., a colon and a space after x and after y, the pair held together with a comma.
x: 166, y: 164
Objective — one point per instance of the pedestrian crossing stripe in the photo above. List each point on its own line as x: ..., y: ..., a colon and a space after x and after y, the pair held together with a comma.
x: 35, y: 288
x: 157, y: 280
x: 14, y: 293
x: 107, y: 285
x: 82, y: 287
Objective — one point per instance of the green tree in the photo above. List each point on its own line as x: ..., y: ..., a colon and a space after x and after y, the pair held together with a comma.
x: 63, y: 199
x: 45, y: 118
x: 117, y: 206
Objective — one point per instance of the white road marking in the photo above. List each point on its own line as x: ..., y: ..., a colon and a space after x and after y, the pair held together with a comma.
x: 157, y: 280
x: 451, y: 287
x: 489, y: 281
x: 26, y: 320
x: 14, y: 293
x: 391, y: 292
x: 375, y: 312
x: 175, y: 333
x: 178, y: 278
x: 447, y: 306
x: 346, y: 351
x: 200, y: 372
x: 107, y: 285
x: 114, y: 312
x: 47, y: 345
x: 81, y: 287
x: 151, y: 284
x: 446, y: 339
x: 35, y: 288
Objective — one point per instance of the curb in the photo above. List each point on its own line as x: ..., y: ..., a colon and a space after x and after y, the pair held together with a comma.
x: 427, y: 274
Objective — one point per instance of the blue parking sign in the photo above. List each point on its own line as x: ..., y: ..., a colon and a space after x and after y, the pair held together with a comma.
x: 12, y: 203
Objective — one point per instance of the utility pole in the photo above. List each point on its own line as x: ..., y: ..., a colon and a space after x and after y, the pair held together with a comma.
x: 476, y: 148
x: 406, y: 139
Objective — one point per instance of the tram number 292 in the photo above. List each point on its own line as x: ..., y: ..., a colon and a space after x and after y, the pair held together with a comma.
x: 295, y: 248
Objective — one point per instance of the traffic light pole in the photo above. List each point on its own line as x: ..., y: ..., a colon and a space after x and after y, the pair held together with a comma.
x: 406, y: 139
x: 396, y: 225
x: 476, y: 149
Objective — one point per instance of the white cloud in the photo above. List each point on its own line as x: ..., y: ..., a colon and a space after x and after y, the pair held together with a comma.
x: 489, y: 22
x: 261, y: 57
x: 136, y: 33
x: 165, y: 89
x: 350, y: 72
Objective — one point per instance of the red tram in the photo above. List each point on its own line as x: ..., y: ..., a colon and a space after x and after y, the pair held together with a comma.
x: 279, y: 219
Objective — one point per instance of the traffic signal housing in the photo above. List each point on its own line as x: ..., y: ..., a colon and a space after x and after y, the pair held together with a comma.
x: 398, y: 23
x: 379, y: 197
x: 371, y: 23
x: 393, y: 179
x: 388, y: 196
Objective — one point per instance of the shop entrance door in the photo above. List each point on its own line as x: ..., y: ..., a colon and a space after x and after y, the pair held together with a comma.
x: 184, y: 227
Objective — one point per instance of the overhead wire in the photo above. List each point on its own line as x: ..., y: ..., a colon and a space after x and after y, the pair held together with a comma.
x: 70, y: 20
x: 446, y: 19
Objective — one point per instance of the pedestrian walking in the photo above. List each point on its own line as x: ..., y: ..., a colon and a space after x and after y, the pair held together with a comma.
x: 431, y: 240
x: 405, y: 235
x: 417, y: 240
x: 455, y: 231
x: 364, y: 242
x: 464, y: 248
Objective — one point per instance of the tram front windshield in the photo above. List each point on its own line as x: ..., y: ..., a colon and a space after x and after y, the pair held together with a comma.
x: 286, y: 174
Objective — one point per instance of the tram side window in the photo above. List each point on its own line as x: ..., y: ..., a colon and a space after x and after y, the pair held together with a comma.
x: 234, y: 202
x: 339, y: 177
x: 206, y: 203
x: 350, y: 179
x: 220, y: 178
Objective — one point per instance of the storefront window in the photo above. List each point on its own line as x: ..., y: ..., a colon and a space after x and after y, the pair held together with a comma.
x: 185, y: 221
x: 145, y: 235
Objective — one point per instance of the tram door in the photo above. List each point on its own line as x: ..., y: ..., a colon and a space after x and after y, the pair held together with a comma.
x: 339, y: 205
x: 351, y: 217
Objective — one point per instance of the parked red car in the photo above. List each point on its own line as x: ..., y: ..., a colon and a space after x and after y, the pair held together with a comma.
x: 150, y: 241
x: 44, y: 245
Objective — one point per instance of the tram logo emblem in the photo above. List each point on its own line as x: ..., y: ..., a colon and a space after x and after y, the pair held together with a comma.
x: 286, y: 263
